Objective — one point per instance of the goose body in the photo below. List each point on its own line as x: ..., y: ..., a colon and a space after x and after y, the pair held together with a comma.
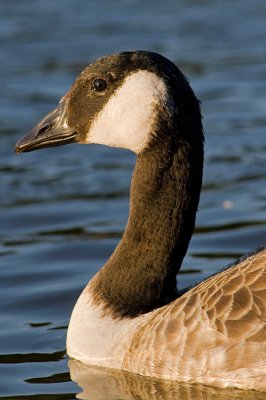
x: 130, y: 316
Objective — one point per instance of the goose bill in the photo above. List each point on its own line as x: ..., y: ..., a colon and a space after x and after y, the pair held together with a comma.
x: 53, y: 130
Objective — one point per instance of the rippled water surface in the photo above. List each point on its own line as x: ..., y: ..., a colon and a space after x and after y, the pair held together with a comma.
x: 63, y: 210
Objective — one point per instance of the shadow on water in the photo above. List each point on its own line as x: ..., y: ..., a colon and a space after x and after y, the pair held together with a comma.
x: 30, y: 357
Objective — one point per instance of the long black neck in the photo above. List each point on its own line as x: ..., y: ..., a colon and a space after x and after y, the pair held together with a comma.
x: 141, y: 273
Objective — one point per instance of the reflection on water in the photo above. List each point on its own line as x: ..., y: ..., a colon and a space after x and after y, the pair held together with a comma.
x: 62, y: 211
x: 106, y: 384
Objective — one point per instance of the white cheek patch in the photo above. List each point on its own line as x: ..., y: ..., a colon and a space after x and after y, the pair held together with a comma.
x: 128, y: 117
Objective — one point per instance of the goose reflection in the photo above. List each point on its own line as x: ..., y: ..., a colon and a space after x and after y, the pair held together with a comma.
x: 98, y: 383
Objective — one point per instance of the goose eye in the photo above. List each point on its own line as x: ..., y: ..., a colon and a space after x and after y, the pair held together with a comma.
x: 99, y: 85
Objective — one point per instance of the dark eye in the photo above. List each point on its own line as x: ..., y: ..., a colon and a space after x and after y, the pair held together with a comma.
x: 99, y: 85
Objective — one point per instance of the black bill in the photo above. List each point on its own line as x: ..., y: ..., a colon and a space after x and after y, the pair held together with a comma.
x: 51, y: 131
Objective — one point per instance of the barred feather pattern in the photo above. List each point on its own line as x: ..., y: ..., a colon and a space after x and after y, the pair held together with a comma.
x: 214, y: 334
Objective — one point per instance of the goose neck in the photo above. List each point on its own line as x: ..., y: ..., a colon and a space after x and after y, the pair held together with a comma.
x: 141, y: 273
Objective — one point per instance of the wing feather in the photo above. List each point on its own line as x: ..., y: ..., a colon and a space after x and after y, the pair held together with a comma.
x: 215, y: 333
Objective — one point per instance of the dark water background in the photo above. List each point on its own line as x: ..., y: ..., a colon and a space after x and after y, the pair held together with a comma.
x: 63, y: 210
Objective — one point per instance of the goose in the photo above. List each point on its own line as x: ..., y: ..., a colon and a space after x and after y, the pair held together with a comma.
x: 130, y: 316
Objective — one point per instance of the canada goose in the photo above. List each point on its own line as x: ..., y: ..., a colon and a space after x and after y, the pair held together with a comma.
x: 130, y: 315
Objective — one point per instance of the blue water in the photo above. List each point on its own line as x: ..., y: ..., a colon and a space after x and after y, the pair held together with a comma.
x: 63, y: 210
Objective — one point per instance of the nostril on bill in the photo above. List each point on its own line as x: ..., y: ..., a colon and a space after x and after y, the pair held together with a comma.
x: 44, y: 128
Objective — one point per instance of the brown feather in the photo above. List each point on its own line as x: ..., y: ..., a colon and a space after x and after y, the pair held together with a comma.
x: 214, y: 330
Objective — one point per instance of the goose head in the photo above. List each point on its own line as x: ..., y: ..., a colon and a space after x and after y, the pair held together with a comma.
x: 125, y: 100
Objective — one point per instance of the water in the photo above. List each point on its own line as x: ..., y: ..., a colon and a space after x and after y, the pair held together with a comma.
x: 63, y: 210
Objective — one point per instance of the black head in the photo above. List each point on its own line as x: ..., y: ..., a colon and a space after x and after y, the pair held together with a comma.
x: 118, y: 101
